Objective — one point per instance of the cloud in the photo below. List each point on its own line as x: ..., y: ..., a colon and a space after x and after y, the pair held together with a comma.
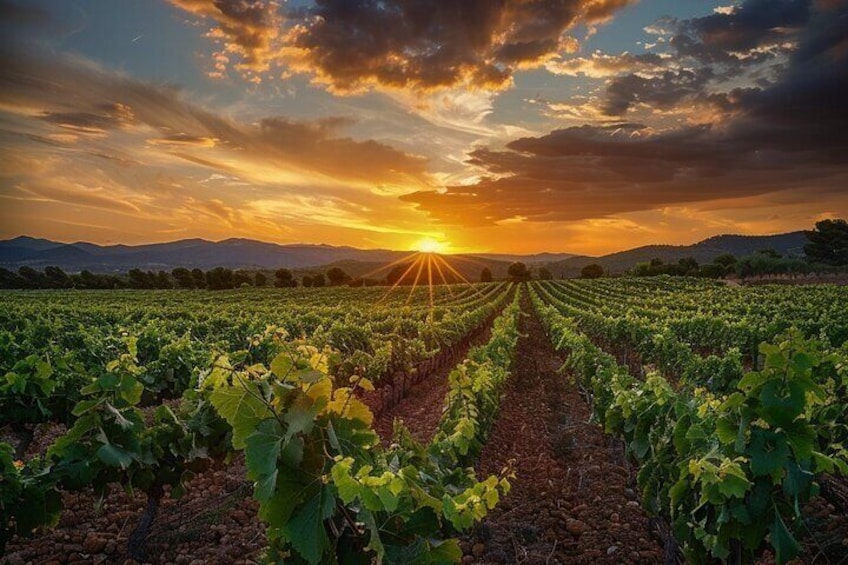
x: 108, y: 116
x: 90, y: 144
x: 421, y: 45
x: 425, y: 44
x: 728, y: 36
x: 700, y: 60
x: 69, y: 95
x: 601, y: 65
x: 789, y: 137
x: 663, y: 91
x: 247, y: 30
x: 183, y: 140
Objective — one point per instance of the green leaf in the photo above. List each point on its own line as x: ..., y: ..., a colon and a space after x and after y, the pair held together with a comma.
x: 114, y: 456
x: 733, y: 486
x: 241, y: 406
x: 131, y: 390
x: 785, y: 545
x: 288, y: 493
x: 300, y: 415
x: 442, y: 553
x: 305, y: 530
x: 347, y: 486
x: 768, y: 452
x: 282, y: 365
x: 778, y: 408
x: 375, y: 544
x: 262, y: 449
x: 802, y: 362
x: 84, y: 406
x: 726, y: 431
x: 802, y: 439
x: 752, y: 381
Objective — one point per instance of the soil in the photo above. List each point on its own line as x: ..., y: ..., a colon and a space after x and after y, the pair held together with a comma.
x: 215, y: 522
x: 421, y: 409
x: 573, y: 499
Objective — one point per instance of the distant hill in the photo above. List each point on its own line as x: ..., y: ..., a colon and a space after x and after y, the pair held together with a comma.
x: 251, y: 254
x: 233, y: 253
x: 536, y: 259
x: 705, y: 251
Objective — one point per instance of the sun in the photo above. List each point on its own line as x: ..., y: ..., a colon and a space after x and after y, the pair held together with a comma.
x: 429, y: 245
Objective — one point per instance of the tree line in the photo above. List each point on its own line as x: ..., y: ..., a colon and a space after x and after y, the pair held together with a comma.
x: 826, y: 251
x: 219, y: 278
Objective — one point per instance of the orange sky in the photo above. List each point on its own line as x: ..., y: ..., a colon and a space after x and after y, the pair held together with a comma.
x: 584, y: 128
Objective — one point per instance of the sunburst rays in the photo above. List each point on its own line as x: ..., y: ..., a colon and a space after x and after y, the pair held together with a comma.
x: 434, y: 268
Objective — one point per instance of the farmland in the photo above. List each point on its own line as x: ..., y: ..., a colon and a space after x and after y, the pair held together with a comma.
x: 611, y: 420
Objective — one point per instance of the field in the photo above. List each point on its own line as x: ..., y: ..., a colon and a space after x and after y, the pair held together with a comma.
x: 614, y: 420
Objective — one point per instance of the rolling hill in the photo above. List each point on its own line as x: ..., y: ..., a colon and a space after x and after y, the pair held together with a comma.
x: 251, y: 254
x: 791, y: 244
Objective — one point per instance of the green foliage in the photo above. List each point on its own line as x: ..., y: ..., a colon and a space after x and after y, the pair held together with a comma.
x: 729, y: 468
x: 828, y: 243
x: 320, y: 476
x: 592, y: 271
x: 28, y: 498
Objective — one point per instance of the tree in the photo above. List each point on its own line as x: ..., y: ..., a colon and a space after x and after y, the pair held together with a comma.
x: 139, y: 279
x: 545, y: 274
x: 242, y: 278
x: 183, y: 277
x: 337, y: 276
x: 486, y: 275
x: 307, y: 281
x: 31, y: 277
x: 518, y: 272
x: 592, y: 271
x: 642, y: 269
x: 162, y: 280
x: 828, y: 243
x: 199, y: 278
x: 769, y: 252
x: 283, y: 278
x: 57, y: 278
x: 259, y: 279
x: 688, y: 266
x: 726, y: 262
x: 10, y: 279
x: 319, y: 280
x: 219, y: 278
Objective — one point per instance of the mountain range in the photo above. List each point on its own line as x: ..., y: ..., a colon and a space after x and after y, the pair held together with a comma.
x: 247, y: 253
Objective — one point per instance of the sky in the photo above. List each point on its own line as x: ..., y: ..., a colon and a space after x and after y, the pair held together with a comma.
x: 515, y: 126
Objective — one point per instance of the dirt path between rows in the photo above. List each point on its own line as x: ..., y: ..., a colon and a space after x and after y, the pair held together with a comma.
x: 573, y: 499
x: 421, y: 409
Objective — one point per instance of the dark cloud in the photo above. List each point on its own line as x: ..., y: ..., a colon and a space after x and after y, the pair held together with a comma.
x: 419, y: 44
x: 663, y: 91
x: 791, y: 136
x: 427, y: 44
x: 724, y: 37
x: 751, y: 42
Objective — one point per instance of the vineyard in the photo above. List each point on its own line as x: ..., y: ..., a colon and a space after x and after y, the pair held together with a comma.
x: 612, y: 420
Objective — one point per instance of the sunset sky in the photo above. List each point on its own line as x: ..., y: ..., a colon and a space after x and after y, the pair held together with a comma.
x: 585, y: 126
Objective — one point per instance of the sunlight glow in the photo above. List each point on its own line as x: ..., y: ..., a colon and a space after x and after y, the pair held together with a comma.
x: 429, y: 245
